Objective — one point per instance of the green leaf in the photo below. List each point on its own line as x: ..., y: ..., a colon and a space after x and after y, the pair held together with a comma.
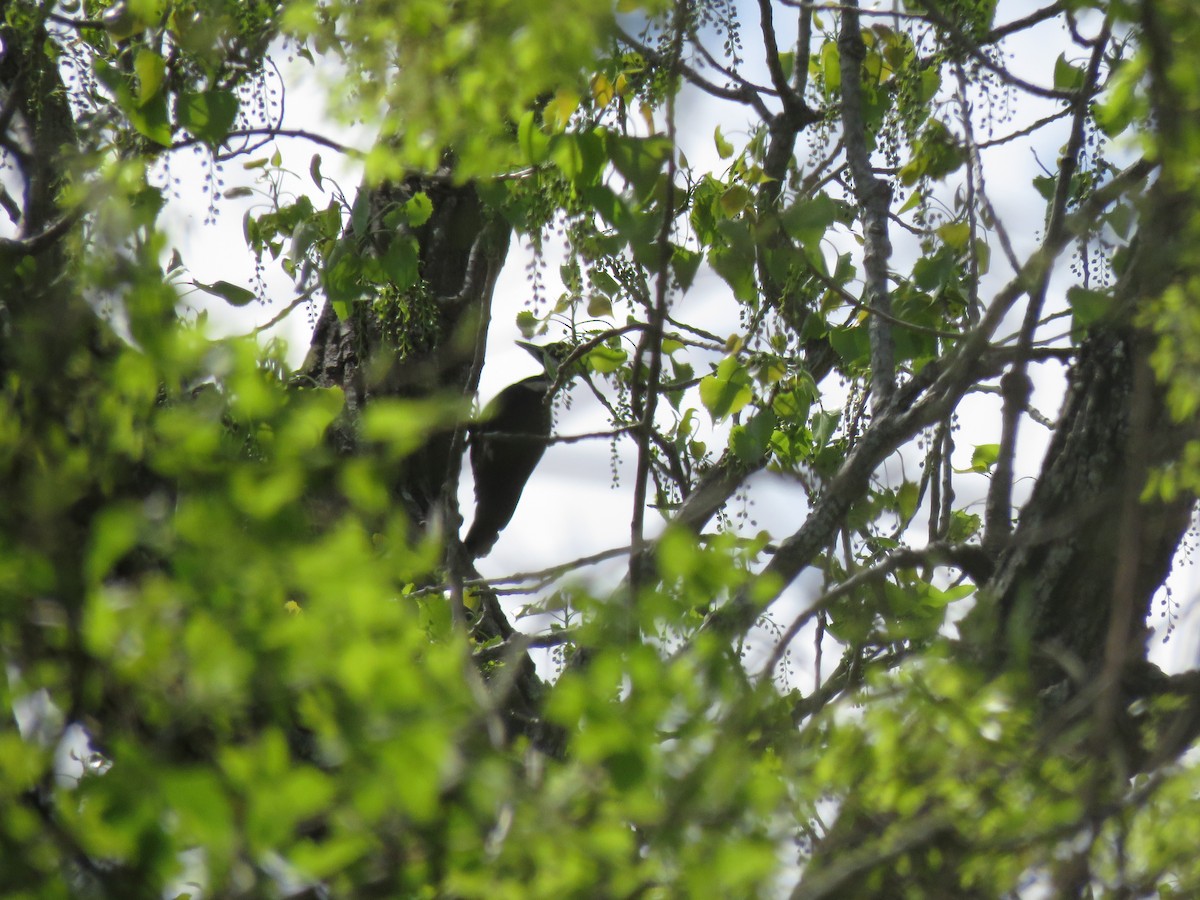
x: 1066, y: 76
x: 735, y: 200
x: 852, y: 344
x: 824, y: 424
x: 728, y: 390
x: 963, y: 525
x: 685, y: 263
x: 1121, y: 219
x: 580, y: 157
x: 114, y: 533
x: 750, y: 441
x: 808, y: 220
x: 233, y: 294
x: 955, y: 234
x: 603, y: 282
x: 734, y: 259
x: 724, y: 148
x: 418, y: 209
x: 342, y: 275
x: 360, y: 215
x: 787, y: 63
x: 527, y: 323
x: 1122, y: 102
x: 207, y: 115
x: 639, y: 160
x: 605, y: 359
x: 793, y: 405
x: 983, y: 458
x: 150, y: 120
x: 906, y: 500
x: 401, y: 261
x: 557, y: 113
x: 937, y: 597
x: 122, y: 22
x: 150, y: 69
x: 1088, y: 306
x: 599, y: 306
x: 830, y: 67
x: 913, y: 201
x: 534, y: 143
x: 936, y: 153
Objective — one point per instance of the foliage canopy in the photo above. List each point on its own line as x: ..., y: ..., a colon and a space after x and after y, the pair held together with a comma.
x: 244, y: 652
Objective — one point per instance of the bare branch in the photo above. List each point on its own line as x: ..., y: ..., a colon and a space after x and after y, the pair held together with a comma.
x: 272, y: 133
x: 745, y: 93
x: 1034, y: 18
x: 975, y: 51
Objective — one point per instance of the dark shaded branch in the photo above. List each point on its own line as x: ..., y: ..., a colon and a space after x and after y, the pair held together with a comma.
x: 520, y: 644
x: 652, y: 337
x: 1034, y: 18
x: 44, y: 240
x: 1026, y: 131
x: 874, y: 199
x: 967, y: 45
x: 1016, y: 385
x: 793, y: 104
x: 270, y: 134
x: 853, y: 863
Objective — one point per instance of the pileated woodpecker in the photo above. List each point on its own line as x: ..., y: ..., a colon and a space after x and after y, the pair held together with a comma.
x: 507, y: 444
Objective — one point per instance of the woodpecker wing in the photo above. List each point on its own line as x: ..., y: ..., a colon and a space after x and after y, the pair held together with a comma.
x: 505, y: 449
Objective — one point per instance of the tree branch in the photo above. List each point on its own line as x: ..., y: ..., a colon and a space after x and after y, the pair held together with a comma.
x: 874, y: 199
x: 1016, y: 385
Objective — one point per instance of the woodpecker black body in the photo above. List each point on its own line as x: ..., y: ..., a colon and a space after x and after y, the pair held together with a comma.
x: 507, y: 445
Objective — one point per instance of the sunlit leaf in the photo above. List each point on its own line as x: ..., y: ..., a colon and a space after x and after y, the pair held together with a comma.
x: 727, y: 390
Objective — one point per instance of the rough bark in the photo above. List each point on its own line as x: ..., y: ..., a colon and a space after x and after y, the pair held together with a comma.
x: 1071, y: 590
x: 461, y: 250
x: 1056, y: 581
x: 1074, y: 584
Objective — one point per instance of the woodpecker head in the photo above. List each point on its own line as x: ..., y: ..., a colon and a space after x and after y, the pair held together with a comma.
x: 551, y: 356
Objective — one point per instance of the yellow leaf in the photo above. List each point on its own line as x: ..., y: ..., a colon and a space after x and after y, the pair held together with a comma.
x: 599, y: 306
x: 559, y: 110
x: 602, y: 90
x: 724, y: 148
x: 647, y: 116
x: 735, y: 199
x: 955, y: 234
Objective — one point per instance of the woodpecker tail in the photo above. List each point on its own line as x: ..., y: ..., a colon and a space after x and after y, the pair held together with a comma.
x: 481, y: 537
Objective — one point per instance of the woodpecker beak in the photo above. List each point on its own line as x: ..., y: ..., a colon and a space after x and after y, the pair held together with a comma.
x: 542, y: 355
x: 531, y: 348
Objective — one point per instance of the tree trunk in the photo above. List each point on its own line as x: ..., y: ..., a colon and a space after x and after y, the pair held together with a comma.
x: 1074, y: 585
x: 1082, y: 552
x: 426, y: 342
